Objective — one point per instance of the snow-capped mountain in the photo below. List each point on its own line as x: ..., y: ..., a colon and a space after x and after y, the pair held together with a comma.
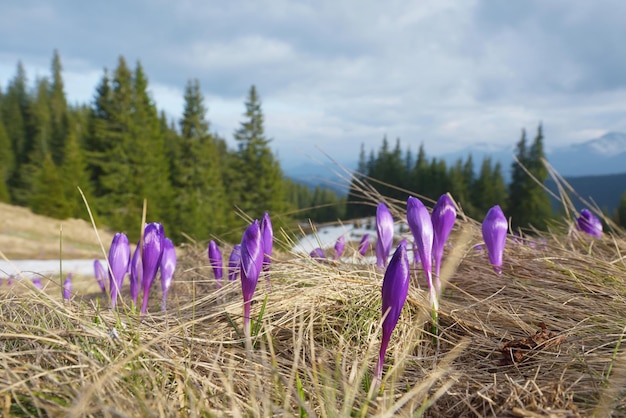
x: 604, y: 155
x: 600, y: 156
x: 610, y: 144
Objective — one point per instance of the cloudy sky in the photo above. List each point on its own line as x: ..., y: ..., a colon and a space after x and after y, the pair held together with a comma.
x: 333, y: 74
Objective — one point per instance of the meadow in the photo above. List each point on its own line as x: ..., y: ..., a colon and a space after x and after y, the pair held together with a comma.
x: 544, y: 338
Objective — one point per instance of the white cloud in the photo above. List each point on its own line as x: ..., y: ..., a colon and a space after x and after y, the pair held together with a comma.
x: 336, y: 74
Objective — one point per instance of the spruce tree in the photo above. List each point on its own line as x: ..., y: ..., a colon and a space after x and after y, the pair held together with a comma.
x: 460, y: 188
x: 538, y: 201
x: 259, y: 184
x: 201, y: 205
x: 529, y: 204
x: 48, y: 197
x: 420, y: 172
x: 73, y: 175
x: 517, y: 187
x: 37, y: 143
x: 15, y: 112
x: 489, y: 189
x: 6, y: 163
x: 147, y: 155
x: 59, y: 118
x: 355, y: 208
x: 118, y: 194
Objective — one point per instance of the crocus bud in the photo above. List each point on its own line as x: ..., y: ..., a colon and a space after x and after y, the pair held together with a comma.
x: 394, y: 293
x: 67, y: 287
x: 251, y: 264
x: 494, y: 230
x: 384, y: 230
x: 37, y: 283
x: 233, y: 262
x: 168, y: 265
x: 215, y: 258
x: 421, y: 227
x: 136, y: 273
x: 364, y: 245
x: 340, y: 245
x: 153, y: 240
x: 267, y: 234
x: 318, y: 253
x: 589, y: 223
x: 119, y: 257
x: 99, y: 273
x: 443, y: 217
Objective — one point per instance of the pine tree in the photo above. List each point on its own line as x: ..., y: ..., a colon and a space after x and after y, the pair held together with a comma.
x: 420, y: 172
x: 355, y: 209
x: 111, y: 147
x: 147, y: 156
x: 15, y: 111
x: 37, y: 143
x: 73, y: 175
x: 259, y: 184
x: 498, y: 186
x: 460, y: 188
x: 489, y: 189
x: 59, y: 122
x: 517, y: 187
x: 529, y: 204
x: 197, y: 175
x: 6, y: 163
x: 48, y: 197
x: 538, y: 202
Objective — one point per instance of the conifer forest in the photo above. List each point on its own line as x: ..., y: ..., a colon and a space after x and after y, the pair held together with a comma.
x: 120, y: 149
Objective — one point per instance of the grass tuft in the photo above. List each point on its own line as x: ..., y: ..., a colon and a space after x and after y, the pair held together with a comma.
x: 317, y: 335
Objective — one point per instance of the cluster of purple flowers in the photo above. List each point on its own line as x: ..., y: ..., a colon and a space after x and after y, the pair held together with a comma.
x: 248, y: 259
x: 154, y: 252
x: 430, y: 233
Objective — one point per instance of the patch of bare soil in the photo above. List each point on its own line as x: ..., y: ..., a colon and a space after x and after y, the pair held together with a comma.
x: 24, y: 235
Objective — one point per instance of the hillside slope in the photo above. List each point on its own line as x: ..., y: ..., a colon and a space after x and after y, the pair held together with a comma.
x: 24, y: 235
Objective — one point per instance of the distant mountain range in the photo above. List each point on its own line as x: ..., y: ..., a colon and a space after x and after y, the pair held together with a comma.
x: 596, y: 169
x: 604, y: 191
x: 600, y: 156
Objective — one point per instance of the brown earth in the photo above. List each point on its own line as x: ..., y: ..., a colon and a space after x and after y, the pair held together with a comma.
x: 24, y: 235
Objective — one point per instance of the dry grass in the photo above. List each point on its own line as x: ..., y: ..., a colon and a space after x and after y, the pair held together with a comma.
x: 24, y: 235
x: 318, y: 341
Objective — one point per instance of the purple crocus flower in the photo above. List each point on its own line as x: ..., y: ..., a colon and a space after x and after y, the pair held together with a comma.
x: 384, y: 230
x: 99, y: 273
x: 251, y: 265
x: 494, y: 234
x: 364, y: 245
x: 168, y: 265
x: 119, y: 257
x: 136, y: 273
x: 421, y: 227
x: 153, y: 240
x: 37, y: 283
x: 10, y: 280
x: 340, y: 245
x: 67, y: 287
x: 394, y: 293
x: 318, y: 253
x: 443, y: 217
x: 233, y: 262
x: 215, y: 259
x: 589, y: 223
x: 268, y: 240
